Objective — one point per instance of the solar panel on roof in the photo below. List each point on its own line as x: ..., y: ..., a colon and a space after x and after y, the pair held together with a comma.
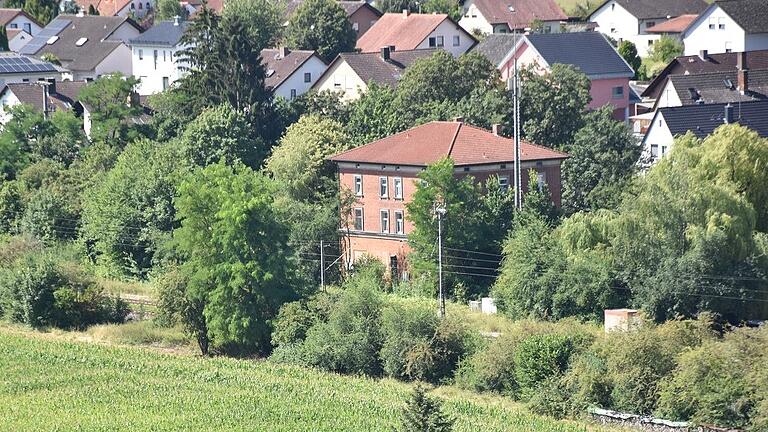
x: 58, y: 24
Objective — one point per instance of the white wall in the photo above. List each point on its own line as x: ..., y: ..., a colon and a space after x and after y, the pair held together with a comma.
x: 124, y: 33
x: 344, y: 79
x: 658, y: 134
x: 119, y: 60
x: 615, y: 21
x: 17, y: 43
x: 7, y: 101
x: 23, y: 23
x: 28, y: 77
x: 668, y: 96
x: 152, y: 76
x: 701, y: 37
x: 473, y: 19
x: 448, y: 30
x: 313, y: 66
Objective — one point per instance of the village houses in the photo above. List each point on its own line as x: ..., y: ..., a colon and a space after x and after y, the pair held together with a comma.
x: 507, y: 16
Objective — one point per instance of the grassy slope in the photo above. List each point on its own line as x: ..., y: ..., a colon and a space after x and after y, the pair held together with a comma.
x: 49, y: 383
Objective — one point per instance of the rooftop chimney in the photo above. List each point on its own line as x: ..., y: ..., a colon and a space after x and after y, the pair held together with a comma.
x: 176, y: 20
x: 406, y: 12
x: 458, y: 119
x: 284, y: 51
x: 385, y: 53
x: 497, y: 128
x: 728, y: 115
x: 704, y: 55
x: 743, y: 72
x: 391, y: 48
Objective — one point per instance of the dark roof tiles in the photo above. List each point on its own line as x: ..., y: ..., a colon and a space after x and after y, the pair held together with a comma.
x: 751, y: 15
x: 711, y: 88
x: 702, y: 120
x: 590, y: 52
x: 495, y: 47
x: 371, y: 67
x: 163, y: 33
x: 645, y: 9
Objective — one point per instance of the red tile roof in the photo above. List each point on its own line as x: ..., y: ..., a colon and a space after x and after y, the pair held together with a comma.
x: 404, y: 31
x: 428, y: 143
x: 674, y: 25
x: 526, y: 11
x: 7, y: 15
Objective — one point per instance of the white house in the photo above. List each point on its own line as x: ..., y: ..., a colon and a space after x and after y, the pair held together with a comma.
x: 631, y: 19
x: 15, y: 68
x: 17, y: 19
x: 701, y: 120
x: 406, y: 31
x: 155, y: 56
x: 291, y: 73
x: 43, y: 96
x: 729, y: 26
x: 350, y: 73
x: 504, y: 16
x: 87, y: 46
x: 121, y: 8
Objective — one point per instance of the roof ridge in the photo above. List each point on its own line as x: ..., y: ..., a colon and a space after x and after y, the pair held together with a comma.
x: 453, y: 140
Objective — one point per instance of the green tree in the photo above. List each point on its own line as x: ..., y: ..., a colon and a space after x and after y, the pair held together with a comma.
x: 234, y: 254
x: 374, y: 115
x: 450, y: 7
x: 4, y: 40
x: 552, y: 104
x: 603, y: 159
x: 628, y: 51
x: 112, y: 104
x: 661, y: 53
x: 169, y: 9
x: 42, y: 10
x: 129, y: 213
x: 92, y: 10
x: 262, y: 19
x: 321, y: 25
x: 423, y: 413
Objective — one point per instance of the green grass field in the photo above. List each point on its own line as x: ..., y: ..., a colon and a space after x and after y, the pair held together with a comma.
x: 52, y: 384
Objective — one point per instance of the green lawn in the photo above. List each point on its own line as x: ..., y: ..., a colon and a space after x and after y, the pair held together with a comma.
x: 52, y: 384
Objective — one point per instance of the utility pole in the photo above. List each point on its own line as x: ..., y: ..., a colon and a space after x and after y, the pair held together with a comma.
x: 513, y: 84
x: 440, y: 210
x: 322, y: 266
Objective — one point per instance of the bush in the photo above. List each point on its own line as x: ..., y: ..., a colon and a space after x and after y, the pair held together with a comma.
x: 420, y: 346
x: 424, y: 413
x: 540, y: 358
x: 39, y: 291
x: 553, y: 399
x: 295, y: 318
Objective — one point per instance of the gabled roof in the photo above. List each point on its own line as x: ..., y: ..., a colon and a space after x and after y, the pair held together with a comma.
x: 526, y: 11
x: 590, y: 52
x: 646, y: 9
x: 371, y: 67
x: 428, y: 143
x: 66, y: 30
x: 163, y: 33
x: 65, y: 96
x: 708, y: 88
x: 403, y: 30
x: 497, y: 46
x: 279, y: 68
x: 674, y: 25
x: 702, y: 120
x: 350, y: 7
x: 7, y: 15
x: 694, y: 64
x: 104, y: 7
x: 750, y: 15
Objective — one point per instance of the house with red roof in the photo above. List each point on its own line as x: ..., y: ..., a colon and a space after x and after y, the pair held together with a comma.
x: 122, y: 8
x: 407, y: 31
x: 506, y: 16
x: 382, y: 176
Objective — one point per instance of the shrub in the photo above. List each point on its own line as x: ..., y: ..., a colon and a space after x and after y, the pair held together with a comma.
x: 295, y: 318
x: 423, y: 413
x: 539, y: 358
x: 420, y: 346
x: 553, y: 399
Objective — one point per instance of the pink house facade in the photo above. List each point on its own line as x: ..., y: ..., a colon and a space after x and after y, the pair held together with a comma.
x: 589, y: 52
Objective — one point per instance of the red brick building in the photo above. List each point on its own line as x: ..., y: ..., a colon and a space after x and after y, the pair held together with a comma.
x: 382, y: 176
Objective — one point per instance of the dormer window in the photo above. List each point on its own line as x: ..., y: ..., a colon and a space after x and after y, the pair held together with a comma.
x: 80, y: 42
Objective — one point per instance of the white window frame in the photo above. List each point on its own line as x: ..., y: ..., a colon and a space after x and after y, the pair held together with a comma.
x: 355, y: 211
x: 504, y: 183
x: 456, y: 40
x: 541, y: 180
x: 383, y: 187
x: 397, y: 184
x: 358, y: 185
x: 654, y: 151
x: 399, y: 222
x: 617, y: 95
x: 384, y: 220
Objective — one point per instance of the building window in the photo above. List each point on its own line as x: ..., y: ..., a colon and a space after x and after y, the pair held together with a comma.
x: 140, y: 6
x: 355, y: 26
x: 28, y: 28
x: 359, y: 219
x: 711, y: 23
x: 149, y: 6
x: 650, y: 24
x: 155, y: 57
x: 399, y: 222
x: 613, y: 7
x: 456, y: 40
x: 650, y: 42
x: 721, y: 23
x: 654, y: 151
x: 617, y: 92
x: 436, y: 41
x: 398, y: 184
x: 165, y: 83
x: 293, y: 93
x: 548, y: 29
x: 307, y: 77
x: 358, y: 185
x: 384, y: 221
x: 541, y: 180
x: 14, y: 25
x: 164, y: 59
x: 383, y: 186
x: 504, y: 183
x: 141, y: 54
x: 133, y: 6
x: 663, y: 150
x: 728, y: 47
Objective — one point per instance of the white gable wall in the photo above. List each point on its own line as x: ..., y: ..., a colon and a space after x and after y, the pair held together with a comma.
x: 7, y: 100
x: 668, y: 96
x: 658, y: 135
x: 313, y: 66
x: 19, y: 41
x: 152, y: 72
x: 21, y: 22
x: 615, y: 21
x: 701, y: 37
x: 473, y: 19
x: 448, y: 30
x: 119, y: 60
x: 342, y: 78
